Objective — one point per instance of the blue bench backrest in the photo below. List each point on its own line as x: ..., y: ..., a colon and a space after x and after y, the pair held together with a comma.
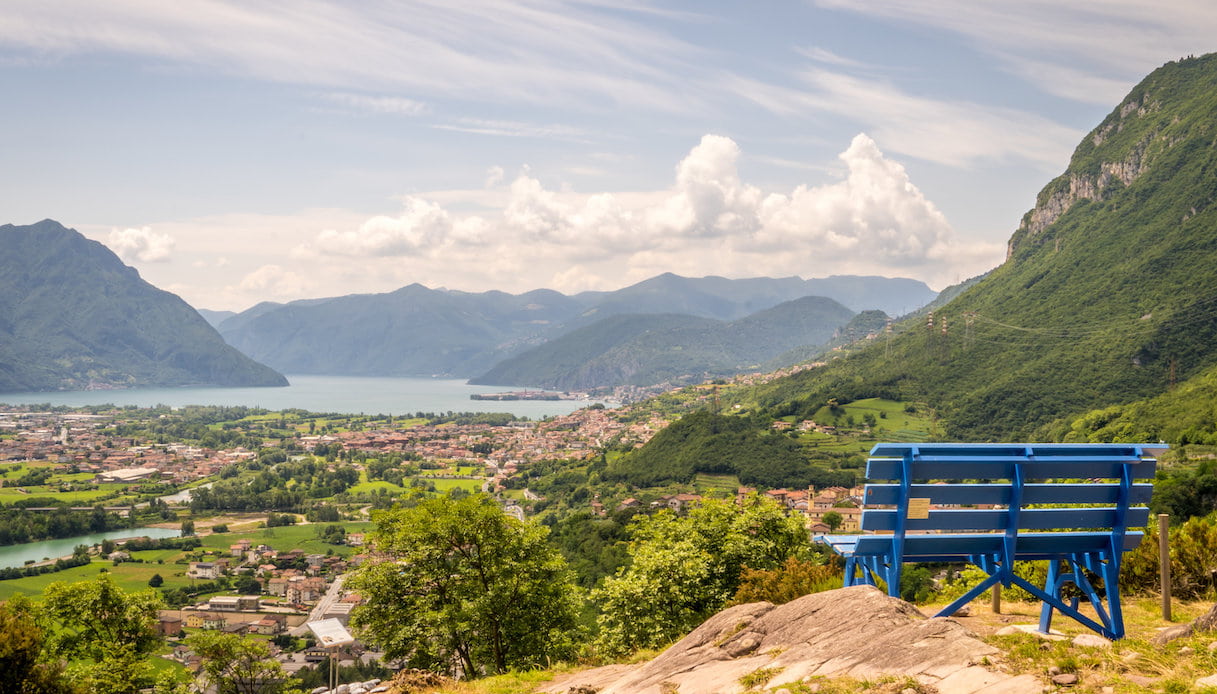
x: 1094, y: 487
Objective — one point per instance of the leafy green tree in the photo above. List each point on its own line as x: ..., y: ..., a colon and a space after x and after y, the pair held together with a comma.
x: 465, y: 583
x: 106, y: 632
x: 156, y: 581
x: 187, y: 528
x: 233, y: 664
x: 22, y: 661
x: 833, y: 520
x: 685, y: 568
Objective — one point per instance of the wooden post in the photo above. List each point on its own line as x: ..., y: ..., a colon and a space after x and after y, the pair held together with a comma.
x: 1164, y: 563
x: 996, y: 598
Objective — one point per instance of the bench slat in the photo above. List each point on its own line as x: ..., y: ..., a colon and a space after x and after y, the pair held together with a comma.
x: 999, y: 494
x: 998, y: 519
x: 966, y: 450
x: 955, y: 547
x: 892, y: 469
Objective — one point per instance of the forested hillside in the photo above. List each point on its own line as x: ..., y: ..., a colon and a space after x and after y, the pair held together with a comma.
x: 648, y: 349
x: 73, y: 316
x: 1107, y: 295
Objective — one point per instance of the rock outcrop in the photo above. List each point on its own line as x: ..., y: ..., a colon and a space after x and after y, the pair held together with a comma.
x: 854, y: 632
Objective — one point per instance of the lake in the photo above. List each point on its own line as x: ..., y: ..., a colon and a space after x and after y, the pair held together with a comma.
x: 345, y: 394
x: 18, y: 555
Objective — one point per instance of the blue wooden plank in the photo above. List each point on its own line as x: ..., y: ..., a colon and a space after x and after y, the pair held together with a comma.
x: 961, y: 546
x: 897, y: 450
x: 999, y: 494
x: 998, y: 519
x: 888, y: 469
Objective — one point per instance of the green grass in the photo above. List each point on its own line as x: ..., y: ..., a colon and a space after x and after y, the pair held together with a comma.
x: 369, y: 487
x: 10, y: 494
x: 128, y: 575
x: 706, y: 483
x: 443, y: 485
x: 285, y: 538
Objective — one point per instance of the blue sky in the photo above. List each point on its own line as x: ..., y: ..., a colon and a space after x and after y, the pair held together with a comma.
x: 236, y: 152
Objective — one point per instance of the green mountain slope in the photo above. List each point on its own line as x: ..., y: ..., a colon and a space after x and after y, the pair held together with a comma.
x: 73, y: 316
x: 705, y: 442
x: 1108, y: 292
x: 648, y: 349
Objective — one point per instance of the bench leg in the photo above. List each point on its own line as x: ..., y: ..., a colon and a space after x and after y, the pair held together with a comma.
x: 1059, y: 574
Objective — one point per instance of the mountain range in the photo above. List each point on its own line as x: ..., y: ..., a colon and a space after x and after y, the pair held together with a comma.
x: 642, y: 349
x: 419, y: 331
x: 1107, y: 297
x: 74, y: 317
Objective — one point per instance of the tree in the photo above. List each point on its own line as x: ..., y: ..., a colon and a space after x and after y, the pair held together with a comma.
x: 465, y: 582
x: 156, y: 581
x: 833, y: 520
x: 686, y: 568
x: 105, y: 631
x: 234, y: 664
x: 187, y: 528
x: 21, y: 653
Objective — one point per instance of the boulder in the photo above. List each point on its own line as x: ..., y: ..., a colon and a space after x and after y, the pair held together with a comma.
x: 850, y: 632
x: 1204, y: 623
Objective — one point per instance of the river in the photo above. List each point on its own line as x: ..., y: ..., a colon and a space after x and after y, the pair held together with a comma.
x: 18, y: 555
x: 344, y: 394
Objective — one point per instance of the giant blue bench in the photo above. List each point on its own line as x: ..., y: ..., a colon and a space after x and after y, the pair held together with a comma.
x: 1078, y: 506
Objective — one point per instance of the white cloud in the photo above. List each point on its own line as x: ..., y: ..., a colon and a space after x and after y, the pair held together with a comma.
x: 1087, y: 51
x: 482, y: 49
x: 143, y: 245
x: 423, y: 226
x: 955, y: 133
x: 274, y: 281
x: 391, y: 105
x: 874, y: 220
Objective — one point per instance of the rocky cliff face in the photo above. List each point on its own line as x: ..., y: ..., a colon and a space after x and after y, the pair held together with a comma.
x: 1079, y: 184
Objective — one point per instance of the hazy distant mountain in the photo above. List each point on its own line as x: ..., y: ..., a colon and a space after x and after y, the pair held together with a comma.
x: 648, y: 349
x: 73, y: 316
x: 214, y: 318
x: 410, y: 332
x: 727, y: 299
x: 416, y: 331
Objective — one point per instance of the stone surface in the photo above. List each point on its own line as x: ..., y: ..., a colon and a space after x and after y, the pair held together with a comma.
x: 1091, y: 641
x: 1067, y: 679
x: 1204, y: 623
x: 850, y: 632
x: 1033, y: 629
x: 1210, y: 681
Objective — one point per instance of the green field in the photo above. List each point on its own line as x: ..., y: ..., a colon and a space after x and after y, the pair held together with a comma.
x: 892, y: 423
x: 127, y: 575
x: 716, y: 485
x: 443, y: 485
x: 288, y: 537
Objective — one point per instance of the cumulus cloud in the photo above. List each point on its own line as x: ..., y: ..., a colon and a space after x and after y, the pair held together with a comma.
x: 422, y: 227
x: 143, y: 245
x: 273, y: 280
x: 709, y: 221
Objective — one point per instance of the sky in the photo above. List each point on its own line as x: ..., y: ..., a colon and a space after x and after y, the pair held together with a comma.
x: 237, y: 152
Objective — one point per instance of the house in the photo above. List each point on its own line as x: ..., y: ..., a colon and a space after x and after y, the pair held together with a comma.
x: 277, y: 586
x: 169, y: 625
x: 233, y: 603
x: 213, y: 621
x: 269, y: 625
x: 354, y: 539
x: 194, y: 620
x: 203, y: 569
